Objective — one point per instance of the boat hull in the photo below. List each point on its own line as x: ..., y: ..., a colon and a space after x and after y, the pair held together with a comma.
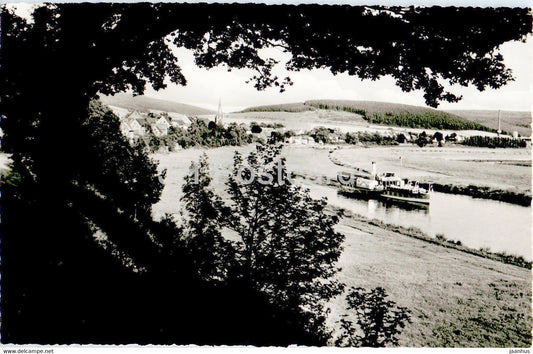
x: 421, y: 199
x: 359, y: 192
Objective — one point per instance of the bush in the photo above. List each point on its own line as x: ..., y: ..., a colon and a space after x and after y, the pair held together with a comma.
x: 374, y: 138
x: 422, y: 139
x: 440, y: 237
x: 494, y: 142
x: 379, y: 321
x: 256, y: 129
x: 451, y: 137
x: 401, y: 138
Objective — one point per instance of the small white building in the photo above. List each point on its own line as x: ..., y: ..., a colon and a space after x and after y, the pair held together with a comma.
x: 301, y: 140
x: 127, y: 131
x: 158, y: 130
x: 163, y: 128
x: 131, y: 128
x: 163, y: 121
x: 136, y: 115
x: 178, y: 119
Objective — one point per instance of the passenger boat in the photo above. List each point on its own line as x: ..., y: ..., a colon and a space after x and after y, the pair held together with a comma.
x: 358, y: 185
x: 386, y: 186
x: 400, y: 190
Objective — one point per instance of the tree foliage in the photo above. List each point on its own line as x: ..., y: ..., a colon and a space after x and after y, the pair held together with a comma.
x: 198, y: 133
x: 429, y: 120
x: 379, y: 321
x: 423, y: 139
x: 256, y: 129
x: 288, y: 247
x: 374, y: 138
x: 213, y: 255
x: 494, y: 142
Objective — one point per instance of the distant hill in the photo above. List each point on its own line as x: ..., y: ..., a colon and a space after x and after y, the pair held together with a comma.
x: 144, y: 103
x: 285, y: 107
x: 368, y: 106
x: 510, y: 120
x: 384, y: 113
x: 372, y: 106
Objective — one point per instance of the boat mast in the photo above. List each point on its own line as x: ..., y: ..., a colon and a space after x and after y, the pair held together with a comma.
x: 401, y: 165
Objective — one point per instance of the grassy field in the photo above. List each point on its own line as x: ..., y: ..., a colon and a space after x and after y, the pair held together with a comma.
x: 457, y: 299
x: 510, y: 120
x: 342, y: 121
x: 145, y: 104
x: 285, y: 107
x: 508, y: 169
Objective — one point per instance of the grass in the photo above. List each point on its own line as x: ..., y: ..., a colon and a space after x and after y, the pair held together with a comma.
x: 456, y: 299
x: 485, y: 193
x: 286, y: 107
x: 441, y: 240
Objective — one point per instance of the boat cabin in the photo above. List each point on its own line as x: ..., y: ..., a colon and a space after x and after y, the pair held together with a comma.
x: 389, y: 179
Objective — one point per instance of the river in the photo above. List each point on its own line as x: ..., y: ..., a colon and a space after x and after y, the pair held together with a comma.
x: 475, y: 222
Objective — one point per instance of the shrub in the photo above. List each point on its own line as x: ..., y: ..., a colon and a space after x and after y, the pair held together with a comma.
x: 401, y: 138
x: 379, y: 321
x: 256, y: 129
x: 440, y: 237
x: 494, y: 142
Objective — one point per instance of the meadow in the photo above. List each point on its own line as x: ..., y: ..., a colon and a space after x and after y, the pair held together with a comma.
x: 507, y: 169
x: 456, y: 299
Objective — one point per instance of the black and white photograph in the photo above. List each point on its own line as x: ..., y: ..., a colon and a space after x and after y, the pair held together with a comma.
x: 265, y: 175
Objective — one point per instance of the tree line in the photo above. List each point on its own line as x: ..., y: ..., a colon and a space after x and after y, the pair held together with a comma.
x: 200, y: 133
x: 494, y: 142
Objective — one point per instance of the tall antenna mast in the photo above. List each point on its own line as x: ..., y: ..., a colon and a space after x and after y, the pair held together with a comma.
x: 499, y: 123
x: 218, y: 117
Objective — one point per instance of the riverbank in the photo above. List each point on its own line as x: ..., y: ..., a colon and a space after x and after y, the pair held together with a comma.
x: 457, y: 299
x: 440, y: 240
x: 496, y: 174
x: 485, y: 193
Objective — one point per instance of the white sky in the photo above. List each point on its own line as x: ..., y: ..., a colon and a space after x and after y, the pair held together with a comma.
x: 205, y: 87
